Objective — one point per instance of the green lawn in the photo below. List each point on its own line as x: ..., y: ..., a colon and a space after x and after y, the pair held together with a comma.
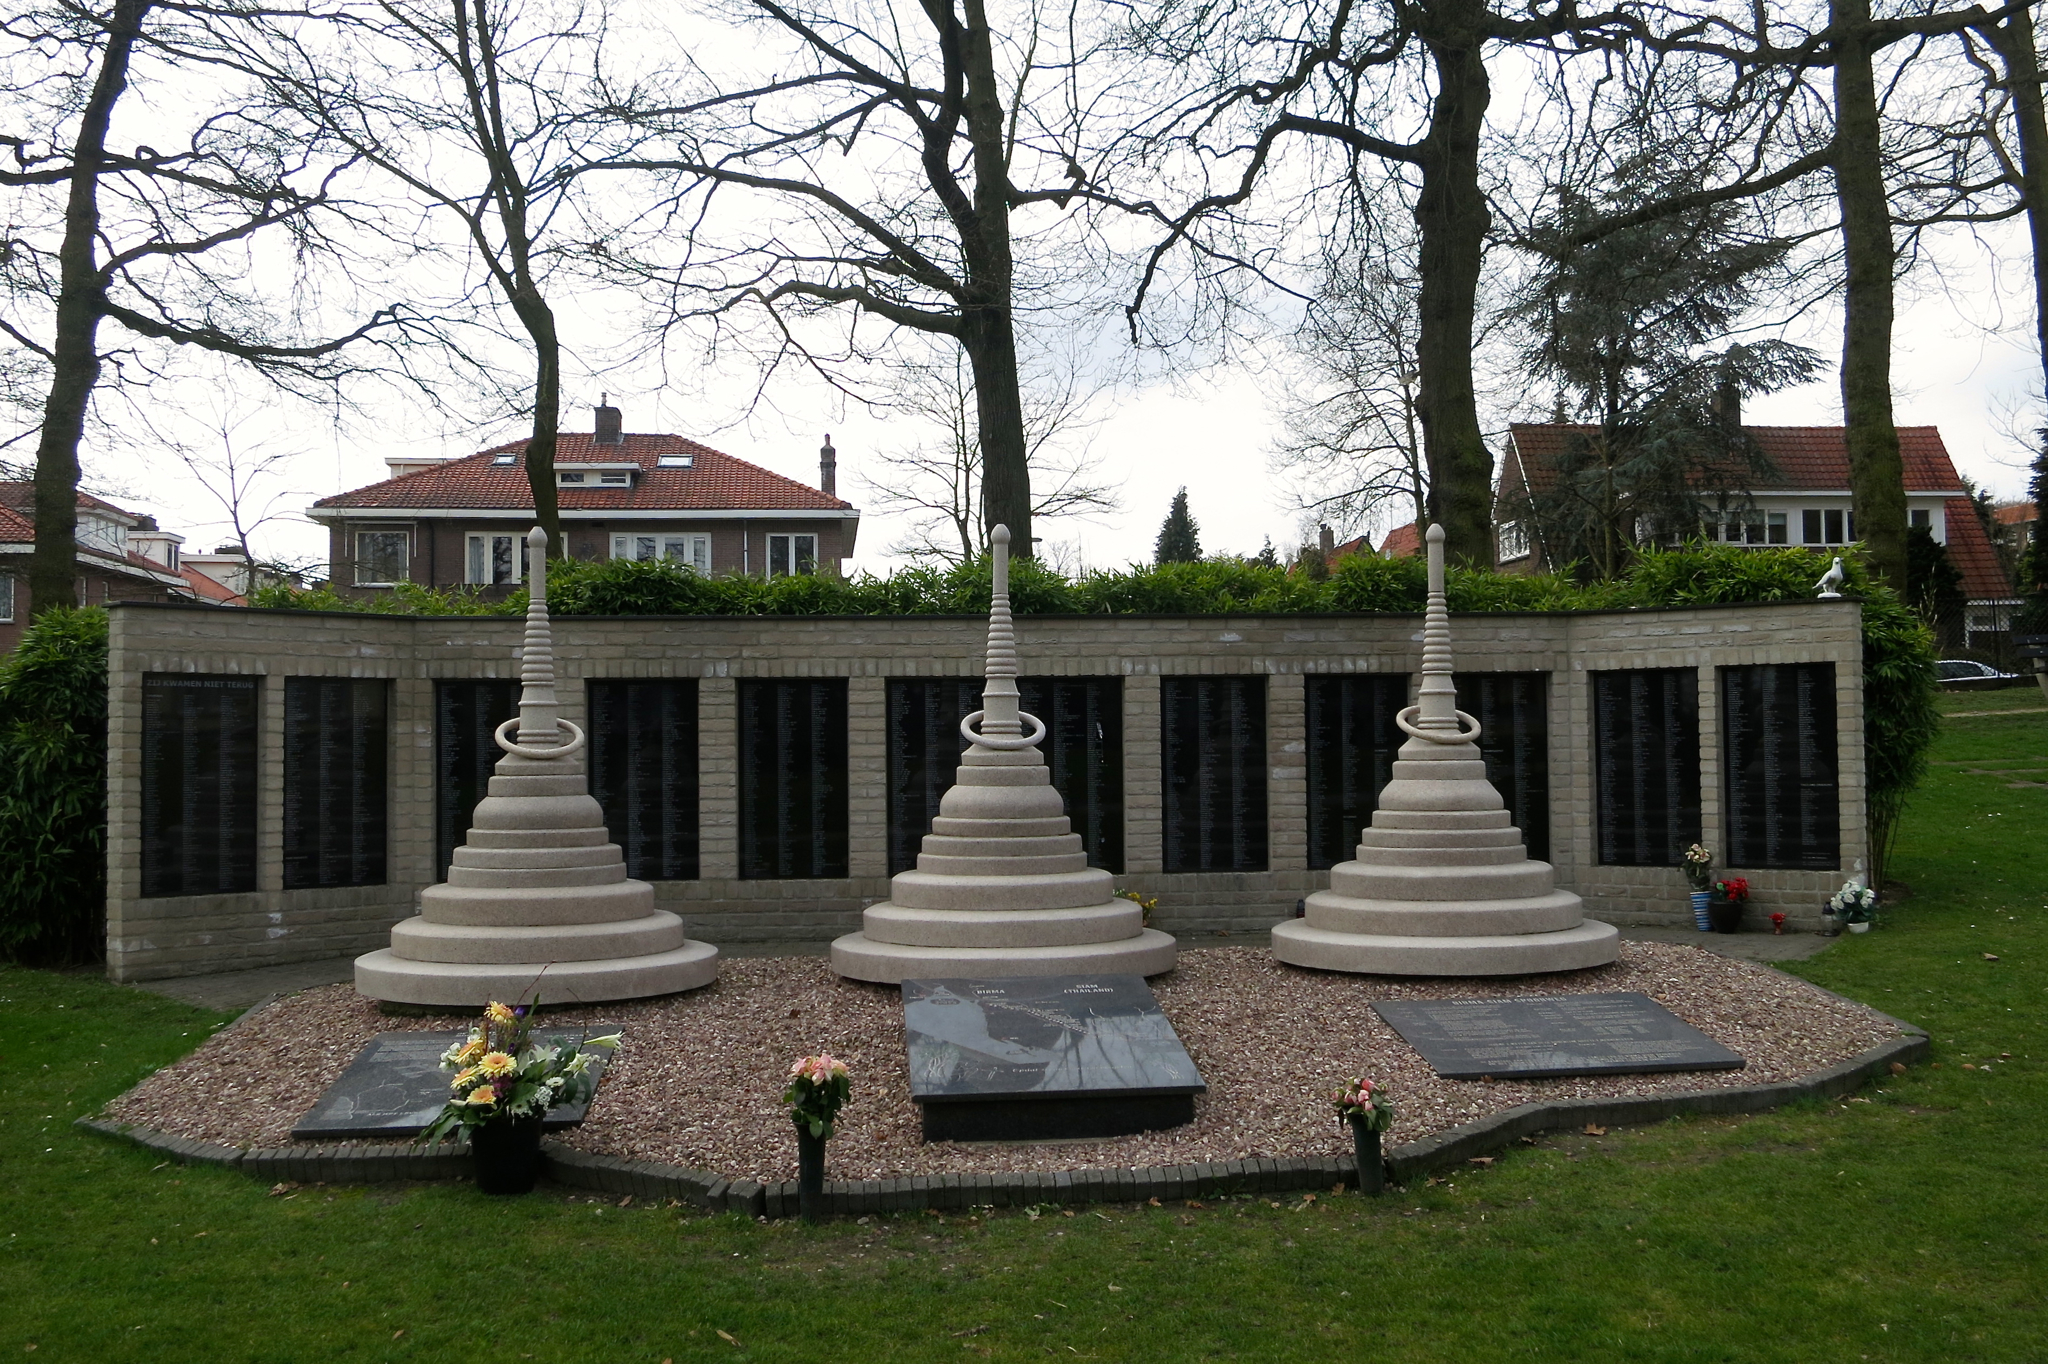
x: 1909, y: 1223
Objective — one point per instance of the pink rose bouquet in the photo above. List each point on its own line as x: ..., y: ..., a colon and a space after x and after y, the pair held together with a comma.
x: 1362, y: 1102
x: 818, y: 1089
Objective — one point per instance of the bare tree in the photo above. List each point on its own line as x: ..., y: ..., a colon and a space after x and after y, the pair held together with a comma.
x: 248, y: 476
x: 938, y: 483
x: 153, y: 266
x: 883, y: 163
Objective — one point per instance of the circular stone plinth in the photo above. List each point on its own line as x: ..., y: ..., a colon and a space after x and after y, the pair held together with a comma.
x: 856, y: 955
x: 394, y: 980
x: 1592, y: 943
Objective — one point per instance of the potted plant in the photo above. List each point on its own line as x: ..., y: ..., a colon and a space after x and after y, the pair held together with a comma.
x: 1366, y: 1107
x: 1698, y: 866
x: 1724, y: 910
x: 1854, y: 905
x: 817, y: 1090
x: 504, y: 1085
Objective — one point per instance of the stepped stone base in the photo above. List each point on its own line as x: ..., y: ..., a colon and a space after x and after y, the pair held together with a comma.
x: 1591, y: 943
x: 860, y: 957
x: 396, y: 980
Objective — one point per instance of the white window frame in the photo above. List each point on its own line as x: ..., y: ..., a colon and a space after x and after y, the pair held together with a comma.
x: 790, y: 543
x: 479, y: 559
x: 360, y: 534
x: 1514, y: 541
x: 691, y: 551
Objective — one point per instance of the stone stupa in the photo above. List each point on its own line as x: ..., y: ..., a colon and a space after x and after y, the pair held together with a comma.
x: 537, y: 904
x: 1002, y: 886
x: 1442, y: 884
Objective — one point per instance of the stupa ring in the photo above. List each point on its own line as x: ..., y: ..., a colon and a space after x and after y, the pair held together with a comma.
x: 541, y: 754
x: 1437, y: 736
x: 968, y: 733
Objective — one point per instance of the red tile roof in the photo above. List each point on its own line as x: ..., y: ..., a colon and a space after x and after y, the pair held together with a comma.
x: 22, y: 498
x: 15, y: 527
x: 1809, y: 458
x: 208, y: 589
x: 1969, y: 549
x: 716, y: 481
x: 1402, y: 542
x: 2016, y: 513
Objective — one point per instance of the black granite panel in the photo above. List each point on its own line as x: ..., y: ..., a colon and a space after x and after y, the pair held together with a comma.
x: 1044, y: 1056
x: 1513, y: 711
x: 396, y: 1085
x: 1352, y: 740
x: 793, y: 778
x: 1084, y: 746
x: 643, y: 771
x: 337, y: 750
x: 466, y: 714
x: 1783, y: 805
x: 199, y: 784
x: 1646, y: 765
x: 1213, y: 769
x: 924, y: 750
x: 1625, y: 1033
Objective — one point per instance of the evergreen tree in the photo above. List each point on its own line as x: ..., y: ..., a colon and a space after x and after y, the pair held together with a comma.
x: 1179, y: 539
x: 1267, y: 557
x: 1934, y: 587
x: 2032, y: 616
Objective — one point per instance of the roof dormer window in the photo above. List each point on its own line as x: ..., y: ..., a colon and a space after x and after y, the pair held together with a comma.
x: 679, y: 460
x: 616, y: 476
x: 501, y: 460
x: 568, y: 477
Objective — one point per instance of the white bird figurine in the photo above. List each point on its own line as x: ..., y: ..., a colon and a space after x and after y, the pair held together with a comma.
x: 1831, y: 580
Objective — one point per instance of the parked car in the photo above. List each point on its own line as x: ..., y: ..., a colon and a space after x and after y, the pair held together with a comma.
x: 1968, y: 673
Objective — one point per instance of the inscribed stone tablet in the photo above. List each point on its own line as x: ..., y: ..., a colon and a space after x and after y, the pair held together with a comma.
x: 396, y: 1085
x: 1465, y: 1039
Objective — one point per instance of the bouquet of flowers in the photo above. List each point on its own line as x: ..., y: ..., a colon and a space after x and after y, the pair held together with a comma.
x: 1365, y: 1103
x: 501, y: 1073
x: 1698, y: 865
x: 1147, y: 903
x: 1854, y: 904
x: 1734, y: 890
x: 818, y: 1087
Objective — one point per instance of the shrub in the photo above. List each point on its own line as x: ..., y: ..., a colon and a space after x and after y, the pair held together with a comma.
x: 53, y: 789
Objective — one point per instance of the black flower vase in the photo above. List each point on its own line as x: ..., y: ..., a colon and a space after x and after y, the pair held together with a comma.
x: 810, y: 1173
x: 1723, y: 914
x: 1372, y: 1171
x: 507, y: 1155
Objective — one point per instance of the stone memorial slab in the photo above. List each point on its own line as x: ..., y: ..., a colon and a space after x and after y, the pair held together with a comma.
x: 396, y: 1085
x: 1621, y: 1033
x: 1042, y: 1057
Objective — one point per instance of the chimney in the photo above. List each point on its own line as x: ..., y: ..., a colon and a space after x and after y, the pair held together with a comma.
x: 609, y: 429
x: 1728, y: 403
x: 828, y: 468
x: 1326, y: 539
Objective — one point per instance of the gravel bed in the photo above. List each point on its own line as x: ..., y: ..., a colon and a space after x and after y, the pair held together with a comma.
x: 699, y: 1079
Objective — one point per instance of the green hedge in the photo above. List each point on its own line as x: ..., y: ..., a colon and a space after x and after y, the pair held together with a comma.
x: 53, y: 790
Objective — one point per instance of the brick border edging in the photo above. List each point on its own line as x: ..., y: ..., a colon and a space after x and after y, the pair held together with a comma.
x: 714, y: 1192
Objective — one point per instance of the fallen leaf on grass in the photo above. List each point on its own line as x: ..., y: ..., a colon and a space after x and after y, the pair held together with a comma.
x: 280, y: 1190
x: 399, y: 1332
x: 1480, y: 1160
x: 1153, y: 1202
x: 1114, y: 1288
x: 1898, y: 1068
x: 626, y: 1202
x: 1991, y: 956
x: 727, y: 1338
x: 1594, y: 1129
x: 971, y: 1331
x: 1193, y: 1204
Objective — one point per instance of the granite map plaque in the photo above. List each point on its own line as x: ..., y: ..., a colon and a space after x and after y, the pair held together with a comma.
x: 1213, y: 759
x: 396, y: 1085
x: 1778, y: 735
x: 466, y: 714
x: 336, y: 756
x: 793, y: 778
x: 1646, y: 765
x: 199, y: 784
x: 1037, y: 1057
x: 643, y: 771
x: 1352, y: 740
x: 1528, y: 1038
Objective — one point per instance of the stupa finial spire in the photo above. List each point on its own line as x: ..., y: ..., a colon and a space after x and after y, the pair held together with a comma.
x: 539, y: 710
x: 999, y: 692
x: 1437, y: 697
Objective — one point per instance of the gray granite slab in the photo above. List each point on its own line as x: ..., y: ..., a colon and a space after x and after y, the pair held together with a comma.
x: 396, y: 1085
x: 1619, y: 1033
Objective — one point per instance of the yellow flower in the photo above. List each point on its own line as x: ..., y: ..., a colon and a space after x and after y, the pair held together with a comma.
x: 485, y: 1095
x: 470, y: 1051
x: 497, y: 1063
x: 462, y: 1078
x: 499, y: 1013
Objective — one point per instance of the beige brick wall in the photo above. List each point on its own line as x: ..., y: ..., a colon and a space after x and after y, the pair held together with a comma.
x: 186, y: 935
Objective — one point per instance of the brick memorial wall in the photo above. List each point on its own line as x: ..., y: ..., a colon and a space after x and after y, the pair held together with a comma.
x: 283, y: 784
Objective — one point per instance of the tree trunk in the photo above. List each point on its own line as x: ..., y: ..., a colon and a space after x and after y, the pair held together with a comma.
x: 75, y: 361
x: 987, y: 324
x: 1877, y: 475
x: 1452, y: 215
x: 547, y: 419
x: 2014, y: 40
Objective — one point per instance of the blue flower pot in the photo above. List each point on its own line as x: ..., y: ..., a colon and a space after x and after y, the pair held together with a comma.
x: 1700, y: 900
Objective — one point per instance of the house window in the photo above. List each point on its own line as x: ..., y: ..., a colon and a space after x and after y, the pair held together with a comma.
x: 6, y: 598
x: 615, y: 476
x: 561, y: 477
x: 1831, y: 527
x: 789, y: 554
x: 691, y: 551
x: 383, y: 557
x: 500, y: 461
x: 675, y: 461
x: 1921, y: 518
x: 496, y: 559
x: 1514, y: 540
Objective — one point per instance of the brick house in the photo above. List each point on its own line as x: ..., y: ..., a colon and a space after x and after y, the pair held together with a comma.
x: 623, y: 495
x: 1808, y: 505
x: 122, y: 556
